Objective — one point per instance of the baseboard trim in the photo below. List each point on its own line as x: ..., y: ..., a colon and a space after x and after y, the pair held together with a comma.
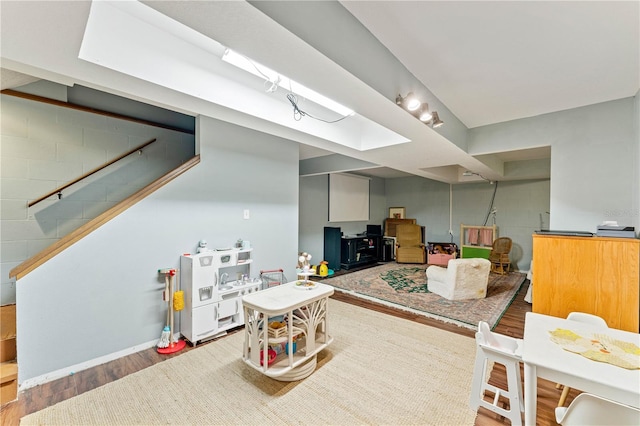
x: 67, y: 371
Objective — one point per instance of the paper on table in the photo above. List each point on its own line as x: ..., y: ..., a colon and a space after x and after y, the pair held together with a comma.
x: 599, y: 347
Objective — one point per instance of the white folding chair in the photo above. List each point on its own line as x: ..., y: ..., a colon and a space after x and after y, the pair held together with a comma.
x: 592, y: 410
x: 587, y: 319
x: 505, y: 350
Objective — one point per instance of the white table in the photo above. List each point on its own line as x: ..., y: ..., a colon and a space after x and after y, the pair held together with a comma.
x: 546, y: 359
x: 306, y: 313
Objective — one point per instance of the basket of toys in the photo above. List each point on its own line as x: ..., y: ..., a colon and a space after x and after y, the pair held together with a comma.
x: 277, y: 329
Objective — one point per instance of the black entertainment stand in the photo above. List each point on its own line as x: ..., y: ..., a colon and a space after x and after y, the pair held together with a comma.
x: 359, y: 250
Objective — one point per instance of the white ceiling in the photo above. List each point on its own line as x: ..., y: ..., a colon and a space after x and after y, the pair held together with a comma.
x: 488, y: 62
x: 495, y: 61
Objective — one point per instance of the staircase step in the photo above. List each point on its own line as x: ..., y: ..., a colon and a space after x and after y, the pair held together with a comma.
x: 7, y: 322
x: 8, y: 371
x: 8, y: 382
x: 8, y: 363
x: 8, y: 350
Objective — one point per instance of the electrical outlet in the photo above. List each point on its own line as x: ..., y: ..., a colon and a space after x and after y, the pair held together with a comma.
x: 246, y: 214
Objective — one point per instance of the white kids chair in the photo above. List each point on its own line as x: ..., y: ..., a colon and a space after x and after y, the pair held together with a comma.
x: 505, y: 350
x: 588, y: 319
x: 592, y: 410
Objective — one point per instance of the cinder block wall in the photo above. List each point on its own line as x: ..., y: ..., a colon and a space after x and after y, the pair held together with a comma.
x: 43, y: 147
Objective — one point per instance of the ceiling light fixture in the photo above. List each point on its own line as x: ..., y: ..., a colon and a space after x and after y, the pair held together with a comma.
x: 419, y: 109
x: 286, y: 83
x: 409, y: 102
x: 423, y: 113
x: 412, y: 102
x: 436, y: 120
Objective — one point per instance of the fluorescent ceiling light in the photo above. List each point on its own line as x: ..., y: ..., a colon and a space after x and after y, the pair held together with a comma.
x: 286, y: 83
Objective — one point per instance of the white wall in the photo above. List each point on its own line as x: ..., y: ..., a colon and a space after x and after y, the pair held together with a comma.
x: 102, y: 297
x: 44, y: 147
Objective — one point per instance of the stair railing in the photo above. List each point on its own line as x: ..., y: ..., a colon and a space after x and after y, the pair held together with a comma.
x: 59, y: 190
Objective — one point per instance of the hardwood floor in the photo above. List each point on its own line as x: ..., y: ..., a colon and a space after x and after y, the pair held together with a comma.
x: 512, y: 324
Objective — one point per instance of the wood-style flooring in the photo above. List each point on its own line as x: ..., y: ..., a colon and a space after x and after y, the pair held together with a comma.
x: 512, y: 324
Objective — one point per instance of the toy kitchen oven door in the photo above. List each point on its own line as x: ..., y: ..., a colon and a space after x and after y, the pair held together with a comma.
x: 213, y: 303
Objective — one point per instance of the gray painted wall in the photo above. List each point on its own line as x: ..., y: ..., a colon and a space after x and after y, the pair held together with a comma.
x: 594, y: 169
x: 314, y: 213
x: 45, y: 146
x: 594, y: 154
x: 103, y: 295
x: 521, y: 205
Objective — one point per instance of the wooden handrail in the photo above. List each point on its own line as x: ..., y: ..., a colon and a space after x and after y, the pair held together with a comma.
x: 86, y: 175
x: 37, y: 98
x: 63, y: 243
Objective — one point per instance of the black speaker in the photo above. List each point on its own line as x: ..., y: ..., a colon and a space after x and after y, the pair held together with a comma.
x: 332, y: 241
x: 374, y: 230
x: 387, y: 250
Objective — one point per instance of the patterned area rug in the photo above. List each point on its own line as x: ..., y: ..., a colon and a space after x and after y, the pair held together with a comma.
x: 405, y: 286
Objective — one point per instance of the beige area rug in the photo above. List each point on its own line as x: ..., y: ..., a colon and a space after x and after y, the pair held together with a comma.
x: 405, y: 286
x: 380, y: 370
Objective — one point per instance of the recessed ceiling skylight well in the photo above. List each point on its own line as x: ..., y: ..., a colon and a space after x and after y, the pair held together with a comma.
x: 135, y: 39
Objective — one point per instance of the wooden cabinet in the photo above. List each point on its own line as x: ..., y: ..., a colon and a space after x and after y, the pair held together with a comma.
x: 390, y: 225
x: 596, y: 275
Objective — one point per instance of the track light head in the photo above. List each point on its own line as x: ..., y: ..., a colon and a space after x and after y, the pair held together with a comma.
x: 436, y: 120
x: 423, y: 113
x: 412, y: 101
x: 409, y: 102
x: 419, y: 109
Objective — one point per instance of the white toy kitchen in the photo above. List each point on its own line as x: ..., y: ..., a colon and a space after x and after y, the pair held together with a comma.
x: 214, y: 282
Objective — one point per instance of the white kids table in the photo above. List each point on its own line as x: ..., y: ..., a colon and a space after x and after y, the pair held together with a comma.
x: 544, y: 358
x: 291, y: 321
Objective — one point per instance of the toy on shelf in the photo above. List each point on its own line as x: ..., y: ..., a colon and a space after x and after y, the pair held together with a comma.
x: 304, y: 269
x: 323, y: 270
x: 202, y: 246
x: 303, y: 262
x: 175, y: 301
